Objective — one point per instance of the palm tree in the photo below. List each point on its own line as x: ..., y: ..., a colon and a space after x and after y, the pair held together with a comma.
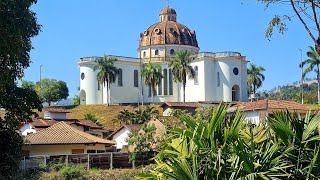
x: 153, y: 76
x: 181, y: 68
x: 107, y: 72
x: 255, y: 77
x: 313, y: 61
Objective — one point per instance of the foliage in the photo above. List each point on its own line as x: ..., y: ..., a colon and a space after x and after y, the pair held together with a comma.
x: 181, y: 68
x: 139, y: 116
x: 51, y: 90
x: 107, y: 72
x: 204, y: 113
x: 18, y: 25
x: 255, y: 77
x: 226, y: 148
x: 91, y: 117
x: 313, y: 63
x: 71, y: 171
x: 152, y: 74
x: 305, y: 11
x: 76, y: 100
x: 27, y: 85
x: 10, y: 144
x: 142, y: 142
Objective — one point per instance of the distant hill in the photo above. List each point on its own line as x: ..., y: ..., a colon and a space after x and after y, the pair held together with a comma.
x: 293, y: 92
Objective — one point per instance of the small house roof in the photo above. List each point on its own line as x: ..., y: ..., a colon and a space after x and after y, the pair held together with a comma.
x: 55, y: 109
x: 135, y: 127
x: 271, y: 105
x: 62, y: 133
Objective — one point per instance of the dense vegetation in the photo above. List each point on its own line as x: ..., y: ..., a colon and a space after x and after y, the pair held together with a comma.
x: 228, y: 148
x: 293, y: 92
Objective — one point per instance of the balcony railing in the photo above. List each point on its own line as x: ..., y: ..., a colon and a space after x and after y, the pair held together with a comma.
x: 219, y: 54
x: 120, y: 58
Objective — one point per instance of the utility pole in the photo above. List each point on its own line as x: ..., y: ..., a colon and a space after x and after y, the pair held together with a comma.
x: 301, y: 86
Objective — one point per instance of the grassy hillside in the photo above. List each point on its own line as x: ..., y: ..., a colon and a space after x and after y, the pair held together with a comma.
x: 107, y: 115
x: 313, y: 106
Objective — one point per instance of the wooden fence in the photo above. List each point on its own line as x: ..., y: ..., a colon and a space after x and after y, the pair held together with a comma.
x: 106, y: 160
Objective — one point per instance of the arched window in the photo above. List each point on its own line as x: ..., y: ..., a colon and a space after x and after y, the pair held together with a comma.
x: 98, y: 86
x: 165, y: 81
x: 156, y: 52
x: 235, y: 93
x: 196, y: 79
x: 218, y: 79
x: 136, y: 78
x: 120, y: 77
x: 170, y: 83
x: 171, y: 51
x: 144, y: 54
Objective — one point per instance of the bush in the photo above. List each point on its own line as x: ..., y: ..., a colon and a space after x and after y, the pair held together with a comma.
x: 91, y: 117
x: 71, y: 172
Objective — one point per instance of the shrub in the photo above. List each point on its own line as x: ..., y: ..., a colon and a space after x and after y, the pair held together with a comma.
x: 91, y: 117
x: 71, y: 172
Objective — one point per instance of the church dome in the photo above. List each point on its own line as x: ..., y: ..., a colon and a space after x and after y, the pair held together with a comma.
x: 168, y: 31
x: 167, y: 10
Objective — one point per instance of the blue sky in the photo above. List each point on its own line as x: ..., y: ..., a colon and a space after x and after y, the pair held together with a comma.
x: 77, y: 28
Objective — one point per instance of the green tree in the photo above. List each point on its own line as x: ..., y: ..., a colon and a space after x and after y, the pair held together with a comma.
x: 142, y: 142
x: 307, y: 12
x: 313, y: 63
x: 76, y: 100
x: 139, y: 116
x: 107, y: 73
x: 18, y: 25
x: 255, y: 77
x: 152, y: 74
x: 181, y: 69
x: 91, y: 117
x: 27, y: 84
x: 51, y: 90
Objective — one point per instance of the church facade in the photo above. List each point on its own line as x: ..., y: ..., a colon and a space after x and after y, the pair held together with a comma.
x: 220, y: 76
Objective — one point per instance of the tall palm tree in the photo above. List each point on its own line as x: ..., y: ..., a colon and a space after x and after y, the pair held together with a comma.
x: 152, y: 77
x: 107, y: 73
x: 181, y: 68
x: 255, y: 77
x: 313, y: 64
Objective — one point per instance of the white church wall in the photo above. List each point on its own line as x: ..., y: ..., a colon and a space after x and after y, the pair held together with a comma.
x: 195, y: 91
x: 126, y: 93
x: 88, y: 84
x: 244, y: 77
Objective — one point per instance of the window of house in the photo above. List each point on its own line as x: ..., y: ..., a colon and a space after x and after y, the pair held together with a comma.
x: 90, y: 151
x: 120, y: 77
x: 170, y: 82
x: 156, y: 52
x: 136, y: 78
x: 235, y: 93
x: 235, y: 71
x: 144, y: 54
x: 165, y: 81
x: 218, y: 79
x: 82, y: 76
x: 196, y: 79
x: 171, y: 51
x: 101, y: 151
x: 98, y: 86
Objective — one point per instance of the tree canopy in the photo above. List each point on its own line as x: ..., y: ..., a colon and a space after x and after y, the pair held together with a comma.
x: 255, y: 77
x: 51, y: 90
x: 152, y: 74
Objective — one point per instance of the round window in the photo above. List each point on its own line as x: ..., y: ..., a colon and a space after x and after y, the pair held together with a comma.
x: 235, y: 71
x: 82, y: 76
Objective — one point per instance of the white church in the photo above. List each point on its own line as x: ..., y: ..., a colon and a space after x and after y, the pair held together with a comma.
x: 220, y: 76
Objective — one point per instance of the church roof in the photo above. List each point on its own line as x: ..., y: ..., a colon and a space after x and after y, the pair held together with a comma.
x: 167, y: 10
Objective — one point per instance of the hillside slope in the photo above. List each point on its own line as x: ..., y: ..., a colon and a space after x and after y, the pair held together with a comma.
x: 107, y: 115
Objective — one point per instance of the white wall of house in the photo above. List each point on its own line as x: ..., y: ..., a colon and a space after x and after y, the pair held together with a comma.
x: 121, y: 137
x: 54, y: 115
x: 26, y: 129
x: 253, y: 117
x: 59, y: 149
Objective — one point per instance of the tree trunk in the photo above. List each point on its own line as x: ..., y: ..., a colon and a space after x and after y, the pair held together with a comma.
x: 184, y: 91
x: 254, y: 89
x: 318, y: 78
x: 152, y: 94
x: 107, y: 93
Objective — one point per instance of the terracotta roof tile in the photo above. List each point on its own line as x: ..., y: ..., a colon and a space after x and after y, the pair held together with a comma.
x: 181, y: 104
x: 62, y: 133
x: 272, y: 105
x: 49, y: 122
x: 56, y: 109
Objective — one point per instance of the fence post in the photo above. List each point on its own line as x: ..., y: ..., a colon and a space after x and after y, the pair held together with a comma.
x: 67, y: 159
x: 45, y: 160
x: 88, y: 161
x: 24, y: 162
x: 111, y: 160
